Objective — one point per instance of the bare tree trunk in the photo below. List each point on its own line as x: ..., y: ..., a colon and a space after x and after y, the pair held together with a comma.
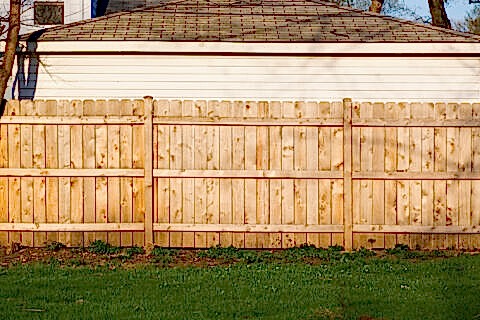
x: 376, y: 6
x: 439, y: 15
x: 10, y: 45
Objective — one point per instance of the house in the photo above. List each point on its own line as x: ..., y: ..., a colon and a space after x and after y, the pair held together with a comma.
x: 39, y: 14
x: 249, y: 49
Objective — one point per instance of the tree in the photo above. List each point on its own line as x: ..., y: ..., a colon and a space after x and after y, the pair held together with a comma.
x: 11, y: 43
x: 438, y: 13
x: 376, y: 6
x: 471, y: 22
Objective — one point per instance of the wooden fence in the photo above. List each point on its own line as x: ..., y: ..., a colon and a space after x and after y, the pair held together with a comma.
x: 248, y: 174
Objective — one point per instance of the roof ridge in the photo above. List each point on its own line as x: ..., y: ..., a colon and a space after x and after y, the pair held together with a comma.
x: 382, y: 16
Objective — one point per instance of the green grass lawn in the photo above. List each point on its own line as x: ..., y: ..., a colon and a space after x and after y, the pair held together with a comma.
x: 364, y: 287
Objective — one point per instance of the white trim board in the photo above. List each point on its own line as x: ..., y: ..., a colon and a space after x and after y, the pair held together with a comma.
x: 256, y: 48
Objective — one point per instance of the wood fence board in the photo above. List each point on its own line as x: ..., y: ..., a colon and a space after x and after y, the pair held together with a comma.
x: 378, y: 187
x: 113, y: 183
x: 3, y: 182
x: 238, y: 185
x: 275, y: 156
x: 263, y: 186
x: 26, y: 161
x: 200, y: 162
x: 288, y: 147
x: 465, y: 165
x: 126, y: 184
x: 39, y: 183
x: 188, y: 238
x: 225, y: 185
x: 312, y: 163
x: 138, y: 161
x: 176, y: 185
x: 250, y: 111
x: 440, y: 187
x: 453, y: 135
x: 475, y: 200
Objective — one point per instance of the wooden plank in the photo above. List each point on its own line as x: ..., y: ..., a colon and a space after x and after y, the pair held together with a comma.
x: 51, y: 161
x: 76, y: 157
x: 238, y: 185
x: 356, y: 167
x: 475, y: 204
x: 288, y: 196
x: 138, y: 162
x: 445, y: 123
x: 416, y: 176
x: 453, y: 137
x: 26, y: 161
x: 347, y: 172
x: 417, y: 111
x: 250, y: 111
x: 427, y: 167
x: 200, y: 162
x: 226, y: 144
x: 162, y: 185
x: 378, y: 187
x: 263, y: 185
x: 366, y: 165
x: 316, y: 147
x: 126, y: 183
x: 440, y: 165
x: 113, y: 162
x: 390, y: 166
x: 72, y: 120
x: 242, y: 174
x: 253, y: 228
x: 246, y: 122
x: 176, y: 162
x: 213, y: 185
x: 300, y: 185
x: 322, y: 190
x: 336, y: 166
x: 188, y: 238
x: 71, y: 227
x: 403, y: 164
x: 148, y: 165
x: 101, y: 162
x: 275, y: 157
x: 39, y: 203
x: 3, y: 182
x: 417, y: 229
x: 465, y: 165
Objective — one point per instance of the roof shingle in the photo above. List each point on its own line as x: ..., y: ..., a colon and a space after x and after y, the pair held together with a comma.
x: 252, y: 21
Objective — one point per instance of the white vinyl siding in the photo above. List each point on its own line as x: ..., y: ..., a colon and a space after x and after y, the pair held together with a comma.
x: 257, y: 78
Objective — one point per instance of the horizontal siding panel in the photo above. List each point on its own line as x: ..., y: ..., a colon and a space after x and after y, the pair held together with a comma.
x: 254, y: 86
x: 255, y: 78
x: 294, y: 62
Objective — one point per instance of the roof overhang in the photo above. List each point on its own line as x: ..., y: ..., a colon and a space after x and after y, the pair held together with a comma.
x: 263, y: 48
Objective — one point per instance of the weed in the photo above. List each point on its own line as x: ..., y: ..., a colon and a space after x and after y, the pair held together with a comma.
x: 55, y: 246
x: 218, y: 252
x: 101, y: 247
x: 364, y: 253
x: 134, y: 251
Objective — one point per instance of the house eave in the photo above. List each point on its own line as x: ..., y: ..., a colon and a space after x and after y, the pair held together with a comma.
x: 263, y: 48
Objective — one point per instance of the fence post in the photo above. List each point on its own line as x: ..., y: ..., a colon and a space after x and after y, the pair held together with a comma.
x: 148, y: 184
x: 347, y: 175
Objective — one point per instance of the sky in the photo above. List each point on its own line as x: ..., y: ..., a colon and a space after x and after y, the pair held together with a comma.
x: 456, y: 9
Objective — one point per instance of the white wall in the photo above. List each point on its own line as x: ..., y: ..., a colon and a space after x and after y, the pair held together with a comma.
x: 257, y: 78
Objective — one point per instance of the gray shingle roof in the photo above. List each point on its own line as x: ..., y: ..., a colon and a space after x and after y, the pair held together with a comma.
x: 252, y: 21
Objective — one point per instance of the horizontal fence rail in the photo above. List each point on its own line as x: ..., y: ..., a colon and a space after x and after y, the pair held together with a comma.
x: 250, y: 174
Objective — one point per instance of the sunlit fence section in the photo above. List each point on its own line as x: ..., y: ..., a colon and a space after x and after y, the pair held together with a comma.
x: 250, y: 174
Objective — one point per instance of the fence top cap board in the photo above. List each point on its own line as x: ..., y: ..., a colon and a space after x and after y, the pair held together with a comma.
x: 281, y: 21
